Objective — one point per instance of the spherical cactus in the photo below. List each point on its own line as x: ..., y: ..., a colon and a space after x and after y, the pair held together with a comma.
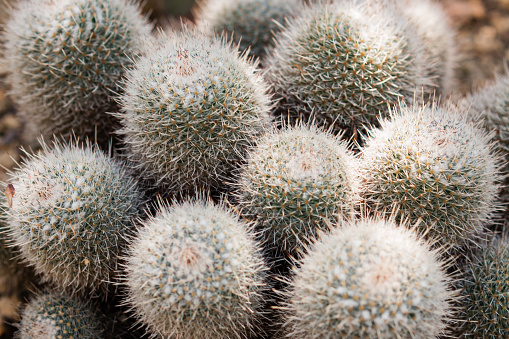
x: 190, y: 107
x: 66, y: 58
x: 72, y: 208
x: 297, y: 181
x: 490, y: 105
x: 369, y: 279
x: 343, y: 64
x: 53, y: 315
x: 429, y: 22
x: 484, y: 304
x: 430, y: 163
x: 194, y: 272
x: 250, y: 23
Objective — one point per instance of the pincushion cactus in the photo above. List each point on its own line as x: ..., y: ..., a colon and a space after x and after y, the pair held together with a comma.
x: 65, y: 59
x: 369, y: 279
x: 71, y: 211
x: 250, y: 23
x: 194, y: 271
x: 191, y: 106
x: 430, y: 163
x: 296, y: 182
x: 53, y: 315
x: 342, y: 65
x: 484, y: 304
x: 490, y: 106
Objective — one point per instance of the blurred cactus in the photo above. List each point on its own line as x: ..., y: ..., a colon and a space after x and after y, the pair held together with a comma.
x: 65, y: 59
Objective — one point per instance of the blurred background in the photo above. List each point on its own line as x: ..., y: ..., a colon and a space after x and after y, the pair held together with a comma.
x: 482, y: 35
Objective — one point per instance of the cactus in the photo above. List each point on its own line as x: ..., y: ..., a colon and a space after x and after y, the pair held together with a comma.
x: 250, y: 23
x: 369, y: 279
x: 342, y: 64
x: 191, y: 106
x: 55, y: 315
x: 489, y: 105
x: 65, y: 60
x: 431, y: 164
x: 194, y: 272
x: 70, y: 214
x: 485, y: 287
x: 296, y: 182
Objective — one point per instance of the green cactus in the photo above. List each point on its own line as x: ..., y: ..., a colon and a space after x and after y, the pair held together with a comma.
x: 484, y: 303
x: 430, y: 163
x: 194, y: 272
x: 72, y: 208
x: 250, y: 23
x: 191, y: 107
x: 65, y: 59
x: 297, y: 181
x: 54, y: 315
x: 341, y: 64
x: 369, y: 279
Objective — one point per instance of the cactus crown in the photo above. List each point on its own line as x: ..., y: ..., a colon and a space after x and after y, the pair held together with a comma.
x: 194, y: 271
x: 191, y: 105
x: 369, y: 279
x: 66, y: 58
x: 432, y: 163
x: 72, y: 207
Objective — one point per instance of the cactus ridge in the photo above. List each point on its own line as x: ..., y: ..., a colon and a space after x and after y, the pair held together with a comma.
x: 194, y: 271
x: 72, y: 208
x: 190, y: 107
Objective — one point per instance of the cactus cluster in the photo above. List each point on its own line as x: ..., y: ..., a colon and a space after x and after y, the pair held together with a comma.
x: 65, y: 59
x: 191, y: 107
x: 430, y: 163
x: 56, y: 315
x: 356, y: 241
x: 369, y: 279
x: 194, y: 271
x: 72, y: 208
x: 297, y: 181
x: 342, y: 65
x: 252, y: 24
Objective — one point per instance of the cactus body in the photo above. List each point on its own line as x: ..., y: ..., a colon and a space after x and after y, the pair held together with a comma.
x: 297, y: 181
x: 342, y: 63
x: 65, y: 60
x: 191, y: 105
x: 53, y: 315
x: 194, y: 272
x: 484, y: 303
x: 431, y: 164
x: 71, y: 210
x: 251, y: 23
x: 369, y: 280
